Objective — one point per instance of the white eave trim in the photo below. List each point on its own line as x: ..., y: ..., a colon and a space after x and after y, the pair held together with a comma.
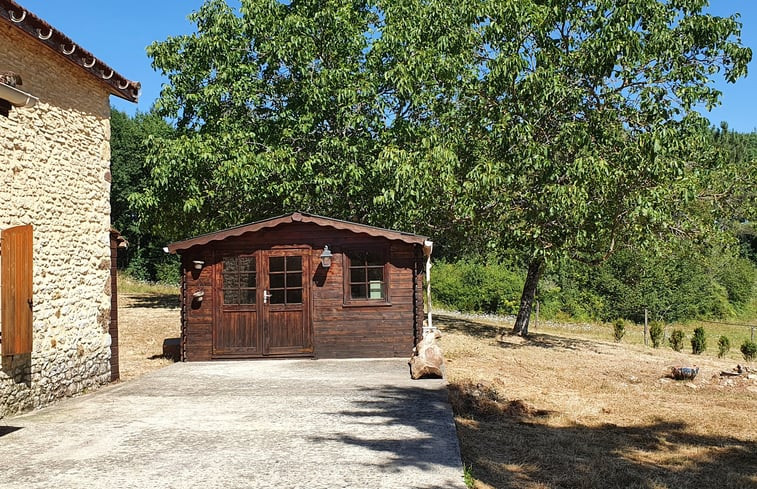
x: 16, y: 97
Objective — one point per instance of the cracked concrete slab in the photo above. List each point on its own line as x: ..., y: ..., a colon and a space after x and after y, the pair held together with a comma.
x: 243, y: 424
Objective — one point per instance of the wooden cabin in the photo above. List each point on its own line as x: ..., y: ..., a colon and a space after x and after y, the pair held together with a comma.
x: 301, y: 285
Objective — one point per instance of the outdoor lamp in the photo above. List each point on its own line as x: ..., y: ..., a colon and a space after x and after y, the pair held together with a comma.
x: 326, y: 257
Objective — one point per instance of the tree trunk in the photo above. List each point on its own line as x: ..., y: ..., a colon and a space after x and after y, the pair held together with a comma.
x: 527, y: 298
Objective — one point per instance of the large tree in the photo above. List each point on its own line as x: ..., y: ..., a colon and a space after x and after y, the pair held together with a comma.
x: 582, y: 125
x: 555, y: 128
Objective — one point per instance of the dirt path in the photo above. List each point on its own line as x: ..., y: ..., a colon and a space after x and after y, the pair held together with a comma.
x: 144, y: 321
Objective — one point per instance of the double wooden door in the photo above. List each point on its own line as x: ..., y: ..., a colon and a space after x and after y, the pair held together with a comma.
x: 264, y: 304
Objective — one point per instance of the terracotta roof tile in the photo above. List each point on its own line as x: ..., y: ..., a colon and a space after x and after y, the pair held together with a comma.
x: 16, y: 15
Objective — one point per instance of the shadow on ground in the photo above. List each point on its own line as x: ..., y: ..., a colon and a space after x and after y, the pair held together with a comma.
x: 480, y: 330
x: 157, y: 301
x: 6, y: 430
x: 425, y: 410
x: 520, y: 450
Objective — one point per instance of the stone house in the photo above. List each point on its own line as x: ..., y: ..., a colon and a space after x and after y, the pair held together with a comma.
x: 55, y: 236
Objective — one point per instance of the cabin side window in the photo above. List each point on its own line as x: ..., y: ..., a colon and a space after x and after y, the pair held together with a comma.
x: 366, y: 276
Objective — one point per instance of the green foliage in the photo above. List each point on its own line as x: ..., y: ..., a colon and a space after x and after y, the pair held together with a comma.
x: 698, y: 341
x: 168, y: 271
x: 138, y: 269
x: 676, y: 340
x: 738, y: 277
x: 656, y: 333
x: 684, y: 283
x: 467, y: 285
x: 724, y: 346
x: 749, y: 350
x: 473, y: 121
x: 619, y: 329
x: 144, y: 256
x: 468, y: 479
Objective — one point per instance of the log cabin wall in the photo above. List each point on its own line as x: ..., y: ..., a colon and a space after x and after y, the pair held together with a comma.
x: 340, y: 328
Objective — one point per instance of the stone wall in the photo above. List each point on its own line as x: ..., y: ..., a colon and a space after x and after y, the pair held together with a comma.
x: 55, y: 175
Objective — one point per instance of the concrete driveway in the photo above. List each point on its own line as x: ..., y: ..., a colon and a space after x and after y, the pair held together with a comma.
x: 272, y: 424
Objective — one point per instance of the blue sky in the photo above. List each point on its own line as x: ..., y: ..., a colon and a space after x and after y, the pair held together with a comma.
x: 118, y: 33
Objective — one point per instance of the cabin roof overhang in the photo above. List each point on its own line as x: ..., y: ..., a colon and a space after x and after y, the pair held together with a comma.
x: 179, y: 246
x: 17, y: 16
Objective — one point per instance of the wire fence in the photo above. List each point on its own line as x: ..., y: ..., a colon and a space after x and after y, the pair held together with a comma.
x: 752, y: 326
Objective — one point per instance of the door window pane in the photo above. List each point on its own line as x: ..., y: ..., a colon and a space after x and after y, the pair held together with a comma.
x: 231, y: 296
x: 276, y: 264
x: 277, y: 280
x: 248, y: 280
x: 239, y: 280
x: 248, y: 296
x: 294, y: 296
x: 294, y: 280
x: 285, y: 279
x: 294, y: 263
x: 246, y: 264
x: 277, y: 297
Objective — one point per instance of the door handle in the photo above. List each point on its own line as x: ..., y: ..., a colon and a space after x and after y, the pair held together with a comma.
x: 266, y: 296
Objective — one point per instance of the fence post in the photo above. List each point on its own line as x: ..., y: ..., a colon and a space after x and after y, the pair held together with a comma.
x: 536, y: 324
x: 646, y: 328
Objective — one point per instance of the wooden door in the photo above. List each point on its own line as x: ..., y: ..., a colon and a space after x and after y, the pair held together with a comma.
x: 16, y: 287
x: 285, y: 312
x: 236, y: 330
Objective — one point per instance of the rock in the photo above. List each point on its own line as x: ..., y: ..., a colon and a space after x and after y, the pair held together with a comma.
x: 684, y: 373
x: 428, y: 362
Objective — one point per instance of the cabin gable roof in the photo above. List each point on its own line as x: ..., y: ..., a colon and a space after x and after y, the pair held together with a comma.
x: 294, y: 217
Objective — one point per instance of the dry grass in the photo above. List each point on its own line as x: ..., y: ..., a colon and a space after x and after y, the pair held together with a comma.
x: 565, y: 409
x: 145, y: 319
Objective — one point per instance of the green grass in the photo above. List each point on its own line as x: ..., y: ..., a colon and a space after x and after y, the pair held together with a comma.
x: 634, y: 333
x: 128, y: 285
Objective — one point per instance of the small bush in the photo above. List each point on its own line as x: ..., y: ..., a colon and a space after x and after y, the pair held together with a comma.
x: 472, y: 286
x: 749, y: 350
x: 468, y: 479
x: 676, y: 340
x: 724, y: 346
x: 656, y: 332
x: 698, y: 341
x: 619, y: 329
x: 168, y: 272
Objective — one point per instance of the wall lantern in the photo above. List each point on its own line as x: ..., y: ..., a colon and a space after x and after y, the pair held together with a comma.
x: 198, y: 264
x: 326, y: 257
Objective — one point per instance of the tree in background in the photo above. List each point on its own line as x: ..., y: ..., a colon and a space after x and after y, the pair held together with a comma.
x: 554, y: 128
x: 572, y: 124
x: 144, y: 258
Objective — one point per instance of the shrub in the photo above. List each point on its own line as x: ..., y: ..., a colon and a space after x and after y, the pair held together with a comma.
x: 656, y: 332
x: 749, y: 350
x: 676, y: 340
x: 698, y: 341
x: 168, y: 272
x: 724, y: 346
x: 619, y: 329
x: 469, y: 286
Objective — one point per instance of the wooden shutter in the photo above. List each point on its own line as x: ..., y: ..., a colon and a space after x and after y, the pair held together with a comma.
x: 16, y: 281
